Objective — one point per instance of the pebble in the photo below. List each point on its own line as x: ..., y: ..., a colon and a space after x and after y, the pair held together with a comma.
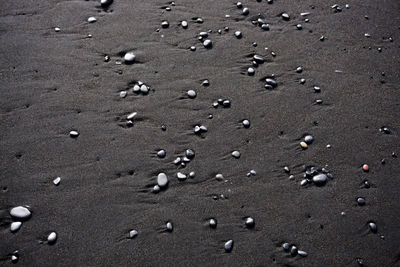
x: 239, y: 4
x: 190, y: 153
x: 205, y: 83
x: 228, y: 246
x: 293, y: 251
x: 259, y: 59
x: 302, y: 253
x: 129, y: 58
x: 238, y: 34
x: 286, y: 169
x: 207, y: 43
x: 317, y: 89
x: 57, y: 181
x: 192, y: 174
x: 365, y: 167
x: 249, y: 222
x: 320, y: 179
x: 20, y: 212
x: 184, y: 24
x: 15, y: 226
x: 52, y: 237
x: 156, y: 189
x: 133, y: 234
x: 56, y: 29
x: 250, y: 71
x: 361, y: 201
x: 131, y: 116
x: 73, y: 134
x: 265, y: 27
x: 303, y: 145
x: 285, y: 16
x: 219, y: 177
x: 193, y: 48
x: 191, y: 94
x: 14, y: 258
x: 181, y: 176
x: 291, y: 177
x: 299, y: 69
x: 271, y: 82
x: 162, y: 179
x: 308, y: 139
x: 236, y: 154
x: 161, y: 153
x: 245, y: 11
x: 246, y: 123
x: 144, y: 89
x: 372, y: 227
x: 286, y: 247
x: 92, y: 20
x: 303, y: 182
x: 213, y: 223
x: 123, y: 94
x: 299, y: 26
x: 165, y: 24
x: 302, y: 81
x: 169, y: 227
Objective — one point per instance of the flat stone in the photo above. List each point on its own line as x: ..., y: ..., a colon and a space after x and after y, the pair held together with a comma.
x: 303, y: 145
x: 271, y: 82
x: 162, y: 179
x: 92, y: 20
x: 123, y: 94
x: 265, y: 27
x: 20, y: 212
x: 131, y: 116
x: 73, y: 134
x: 259, y: 59
x: 302, y: 253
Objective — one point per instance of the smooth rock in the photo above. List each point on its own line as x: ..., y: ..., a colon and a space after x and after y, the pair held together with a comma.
x: 299, y: 69
x: 271, y: 82
x: 15, y: 226
x: 192, y: 174
x: 165, y: 24
x: 184, y: 24
x: 156, y: 189
x: 238, y: 34
x: 20, y: 212
x: 245, y: 11
x: 105, y: 3
x: 207, y: 43
x: 191, y: 93
x: 92, y: 20
x: 133, y: 234
x: 57, y: 181
x: 236, y: 154
x: 169, y: 227
x: 249, y: 222
x: 129, y: 57
x: 293, y: 251
x: 131, y: 116
x: 181, y: 176
x: 52, y: 237
x: 302, y: 253
x: 123, y: 94
x: 361, y: 201
x: 308, y: 139
x: 319, y: 179
x: 213, y: 223
x: 285, y: 16
x: 286, y: 247
x: 246, y: 123
x: 228, y: 246
x: 303, y: 145
x: 161, y: 153
x: 250, y: 71
x: 259, y: 59
x: 162, y: 179
x: 73, y: 134
x: 373, y: 227
x: 265, y: 27
x: 144, y: 89
x: 190, y: 153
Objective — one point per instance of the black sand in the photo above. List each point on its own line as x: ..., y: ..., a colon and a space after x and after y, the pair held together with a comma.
x: 54, y: 82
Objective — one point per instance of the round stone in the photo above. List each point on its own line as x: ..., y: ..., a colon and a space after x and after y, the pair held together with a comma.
x: 184, y: 24
x: 15, y: 226
x: 207, y: 43
x: 129, y: 58
x: 219, y: 177
x: 361, y: 201
x: 192, y: 48
x: 293, y: 251
x: 226, y: 103
x: 250, y: 71
x: 165, y: 24
x: 20, y: 212
x: 144, y: 89
x: 161, y: 153
x: 181, y: 176
x: 245, y: 11
x: 373, y: 227
x: 156, y: 189
x: 299, y: 26
x: 169, y: 227
x: 213, y: 223
x: 285, y: 16
x: 286, y: 169
x: 73, y: 134
x: 299, y: 69
x: 162, y: 179
x: 365, y: 167
x: 303, y: 145
x: 265, y: 27
x: 190, y: 153
x: 92, y: 20
x: 105, y: 3
x: 14, y: 258
x: 319, y: 179
x: 302, y: 81
x: 246, y: 123
x: 123, y: 94
x: 52, y: 237
x: 239, y: 4
x: 238, y: 34
x: 249, y: 222
x: 57, y: 181
x: 191, y: 93
x: 236, y: 154
x: 308, y: 139
x: 133, y: 234
x: 192, y: 174
x: 286, y: 247
x: 228, y: 246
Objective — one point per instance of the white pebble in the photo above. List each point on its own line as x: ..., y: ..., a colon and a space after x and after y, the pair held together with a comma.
x: 73, y: 134
x: 15, y: 226
x: 57, y: 181
x: 20, y: 212
x: 92, y: 20
x: 133, y: 234
x: 131, y: 116
x: 181, y: 176
x: 129, y: 57
x: 162, y: 179
x: 52, y: 237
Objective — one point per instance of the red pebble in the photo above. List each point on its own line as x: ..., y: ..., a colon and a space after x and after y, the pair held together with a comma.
x: 365, y: 167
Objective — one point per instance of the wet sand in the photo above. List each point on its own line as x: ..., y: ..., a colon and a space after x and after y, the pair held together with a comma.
x: 55, y: 82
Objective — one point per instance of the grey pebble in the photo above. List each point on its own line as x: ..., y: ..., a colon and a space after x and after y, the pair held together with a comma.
x: 320, y: 179
x: 161, y: 153
x: 228, y: 246
x: 162, y: 179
